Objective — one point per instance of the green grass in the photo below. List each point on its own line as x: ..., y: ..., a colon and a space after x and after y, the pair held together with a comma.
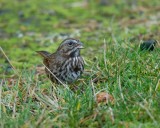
x: 111, y: 35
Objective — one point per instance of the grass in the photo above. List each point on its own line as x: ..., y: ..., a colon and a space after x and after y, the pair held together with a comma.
x: 111, y: 34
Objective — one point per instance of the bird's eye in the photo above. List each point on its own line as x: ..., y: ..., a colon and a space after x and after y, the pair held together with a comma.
x: 70, y: 43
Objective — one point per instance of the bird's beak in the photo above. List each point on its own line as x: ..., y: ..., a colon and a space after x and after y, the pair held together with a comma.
x: 80, y: 46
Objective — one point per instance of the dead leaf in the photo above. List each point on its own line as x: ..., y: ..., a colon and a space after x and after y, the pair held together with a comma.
x: 104, y: 97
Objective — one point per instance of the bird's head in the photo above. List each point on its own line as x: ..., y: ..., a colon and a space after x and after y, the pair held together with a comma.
x: 70, y: 47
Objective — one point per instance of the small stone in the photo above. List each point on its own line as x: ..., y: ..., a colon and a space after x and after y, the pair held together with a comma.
x: 148, y: 45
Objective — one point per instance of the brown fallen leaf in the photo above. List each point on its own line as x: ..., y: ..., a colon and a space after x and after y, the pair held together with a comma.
x: 104, y: 97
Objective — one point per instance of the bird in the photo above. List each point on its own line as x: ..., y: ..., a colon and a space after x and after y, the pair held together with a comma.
x: 148, y: 45
x: 66, y: 64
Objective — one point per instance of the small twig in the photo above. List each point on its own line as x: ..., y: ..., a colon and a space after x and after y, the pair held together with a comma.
x: 9, y: 61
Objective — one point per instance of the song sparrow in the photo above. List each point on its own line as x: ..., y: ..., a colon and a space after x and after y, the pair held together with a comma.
x: 65, y: 64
